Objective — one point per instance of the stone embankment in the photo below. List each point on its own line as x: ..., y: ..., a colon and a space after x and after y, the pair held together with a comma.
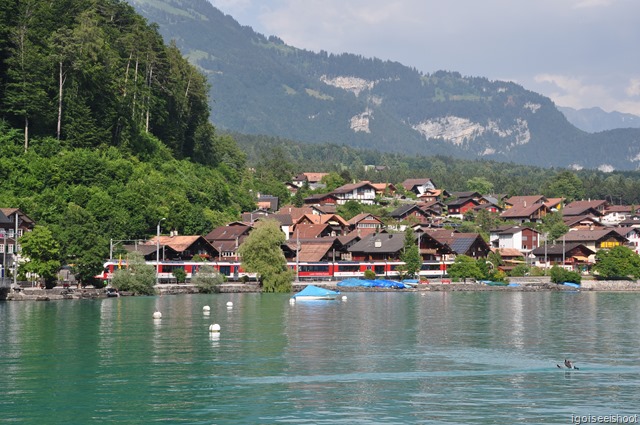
x: 523, y: 285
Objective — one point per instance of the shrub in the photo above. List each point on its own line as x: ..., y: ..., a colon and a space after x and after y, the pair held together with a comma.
x: 180, y: 275
x: 560, y: 275
x: 369, y: 275
x: 207, y: 279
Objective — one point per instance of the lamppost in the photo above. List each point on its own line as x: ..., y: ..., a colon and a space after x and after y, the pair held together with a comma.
x: 158, y: 251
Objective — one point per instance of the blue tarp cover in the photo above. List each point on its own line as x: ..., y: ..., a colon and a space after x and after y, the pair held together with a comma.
x: 315, y: 291
x: 571, y: 284
x: 364, y: 283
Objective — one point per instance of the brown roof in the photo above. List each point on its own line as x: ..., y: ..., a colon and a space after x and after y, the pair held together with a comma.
x: 177, y: 243
x: 364, y: 217
x: 295, y: 212
x: 409, y: 184
x: 521, y: 211
x: 314, y: 251
x: 587, y: 235
x: 526, y: 200
x: 508, y: 252
x: 229, y: 232
x: 309, y: 231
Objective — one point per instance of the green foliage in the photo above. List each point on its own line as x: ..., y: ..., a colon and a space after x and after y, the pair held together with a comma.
x: 207, y: 279
x: 137, y: 277
x: 447, y: 172
x: 553, y: 225
x: 42, y: 252
x: 369, y: 274
x: 560, y: 275
x: 261, y: 253
x: 480, y: 185
x: 465, y: 267
x: 180, y: 275
x: 411, y: 254
x: 617, y: 263
x: 520, y: 270
x: 565, y: 185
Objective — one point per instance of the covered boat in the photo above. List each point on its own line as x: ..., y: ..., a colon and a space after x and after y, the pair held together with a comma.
x: 312, y: 292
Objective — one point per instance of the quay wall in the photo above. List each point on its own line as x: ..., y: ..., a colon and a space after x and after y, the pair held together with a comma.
x: 524, y: 284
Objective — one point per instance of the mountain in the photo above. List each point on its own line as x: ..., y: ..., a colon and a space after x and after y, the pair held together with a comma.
x: 593, y: 120
x: 260, y: 85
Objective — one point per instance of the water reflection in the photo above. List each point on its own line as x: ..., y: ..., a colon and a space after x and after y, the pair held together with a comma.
x: 378, y: 358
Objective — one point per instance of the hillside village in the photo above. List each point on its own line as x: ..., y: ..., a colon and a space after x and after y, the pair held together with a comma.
x: 315, y: 232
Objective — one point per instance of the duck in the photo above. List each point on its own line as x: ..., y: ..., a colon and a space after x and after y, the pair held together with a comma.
x: 568, y: 364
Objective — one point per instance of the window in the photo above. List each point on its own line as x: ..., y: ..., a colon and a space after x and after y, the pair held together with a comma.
x: 20, y: 232
x: 10, y: 248
x: 1, y: 248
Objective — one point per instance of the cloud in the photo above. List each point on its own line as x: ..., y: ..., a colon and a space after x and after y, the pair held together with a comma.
x: 575, y: 92
x: 633, y: 89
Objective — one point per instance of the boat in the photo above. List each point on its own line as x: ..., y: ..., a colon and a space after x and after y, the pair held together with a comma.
x: 312, y: 292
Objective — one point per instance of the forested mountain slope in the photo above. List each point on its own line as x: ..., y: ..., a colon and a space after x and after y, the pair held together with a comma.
x: 260, y: 85
x: 104, y: 130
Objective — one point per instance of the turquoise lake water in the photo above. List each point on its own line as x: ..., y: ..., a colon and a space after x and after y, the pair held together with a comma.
x: 376, y: 358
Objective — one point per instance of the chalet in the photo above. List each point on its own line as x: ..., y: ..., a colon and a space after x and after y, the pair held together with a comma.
x: 410, y: 212
x: 470, y: 244
x: 458, y: 207
x: 524, y: 201
x: 433, y: 195
x: 418, y: 186
x: 384, y: 189
x: 227, y: 239
x: 312, y: 179
x: 322, y: 249
x: 321, y: 199
x: 595, y: 239
x: 433, y: 208
x: 574, y: 255
x: 180, y: 248
x: 524, y: 239
x: 582, y: 222
x: 363, y: 192
x: 595, y: 207
x: 268, y: 203
x: 511, y: 258
x: 526, y: 213
x: 13, y: 224
x: 489, y: 207
x: 296, y: 212
x: 365, y: 223
x: 630, y: 222
x: 339, y: 226
x: 554, y: 204
x: 614, y: 214
x: 632, y: 235
x: 311, y: 231
x: 378, y: 247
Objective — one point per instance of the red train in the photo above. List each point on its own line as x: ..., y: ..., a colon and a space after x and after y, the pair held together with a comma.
x: 304, y: 270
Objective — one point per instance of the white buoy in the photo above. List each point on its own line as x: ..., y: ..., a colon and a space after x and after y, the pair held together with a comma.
x: 157, y: 315
x: 214, y: 328
x: 344, y: 298
x: 229, y: 304
x: 206, y: 308
x: 292, y: 301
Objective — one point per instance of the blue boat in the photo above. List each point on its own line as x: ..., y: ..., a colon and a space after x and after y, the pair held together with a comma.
x: 312, y: 292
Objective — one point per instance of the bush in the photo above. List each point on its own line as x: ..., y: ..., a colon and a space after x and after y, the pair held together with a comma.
x: 207, y: 279
x: 370, y: 275
x: 520, y: 270
x: 560, y: 275
x: 180, y: 275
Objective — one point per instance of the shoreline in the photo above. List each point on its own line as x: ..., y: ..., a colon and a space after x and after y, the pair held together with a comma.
x: 525, y: 285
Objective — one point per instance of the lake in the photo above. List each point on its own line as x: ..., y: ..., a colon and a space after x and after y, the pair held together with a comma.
x: 376, y: 358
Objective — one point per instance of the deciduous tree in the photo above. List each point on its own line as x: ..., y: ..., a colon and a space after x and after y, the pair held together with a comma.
x: 261, y: 253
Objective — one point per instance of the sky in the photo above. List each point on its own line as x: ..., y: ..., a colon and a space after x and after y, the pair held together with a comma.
x: 579, y: 53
